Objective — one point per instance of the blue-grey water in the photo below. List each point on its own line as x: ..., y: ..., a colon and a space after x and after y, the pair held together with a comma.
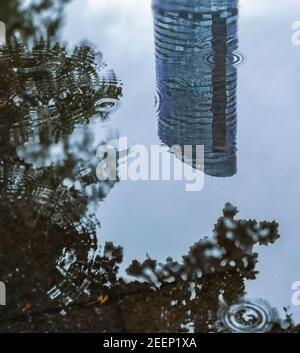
x: 161, y: 218
x: 223, y: 75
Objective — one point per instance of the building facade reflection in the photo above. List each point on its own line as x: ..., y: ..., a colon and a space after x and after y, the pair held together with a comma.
x: 196, y: 51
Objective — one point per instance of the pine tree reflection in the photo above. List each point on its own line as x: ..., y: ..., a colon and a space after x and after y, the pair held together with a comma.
x: 196, y: 43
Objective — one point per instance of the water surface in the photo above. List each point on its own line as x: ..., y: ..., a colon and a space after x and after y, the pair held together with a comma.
x: 224, y: 76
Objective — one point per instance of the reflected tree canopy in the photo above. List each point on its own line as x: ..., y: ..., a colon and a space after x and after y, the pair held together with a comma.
x: 48, y: 97
x: 32, y: 18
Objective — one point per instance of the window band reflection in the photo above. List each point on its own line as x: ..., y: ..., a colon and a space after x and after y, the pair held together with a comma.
x: 195, y: 45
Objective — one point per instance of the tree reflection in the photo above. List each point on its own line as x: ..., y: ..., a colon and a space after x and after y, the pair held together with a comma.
x: 211, y: 275
x: 31, y: 19
x: 48, y: 98
x: 45, y: 92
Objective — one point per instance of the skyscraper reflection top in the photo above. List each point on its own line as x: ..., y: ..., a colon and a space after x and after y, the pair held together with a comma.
x: 196, y: 43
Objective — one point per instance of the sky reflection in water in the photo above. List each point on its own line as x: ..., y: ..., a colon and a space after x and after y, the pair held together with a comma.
x: 161, y: 219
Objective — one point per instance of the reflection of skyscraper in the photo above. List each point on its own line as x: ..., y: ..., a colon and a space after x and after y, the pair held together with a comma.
x: 196, y: 42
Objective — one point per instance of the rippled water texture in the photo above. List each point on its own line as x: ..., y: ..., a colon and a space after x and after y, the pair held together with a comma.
x: 187, y: 261
x: 197, y: 102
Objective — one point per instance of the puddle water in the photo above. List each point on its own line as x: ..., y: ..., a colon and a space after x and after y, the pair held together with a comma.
x: 81, y: 254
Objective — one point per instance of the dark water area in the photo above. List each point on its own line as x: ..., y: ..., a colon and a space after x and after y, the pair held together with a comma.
x: 87, y: 255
